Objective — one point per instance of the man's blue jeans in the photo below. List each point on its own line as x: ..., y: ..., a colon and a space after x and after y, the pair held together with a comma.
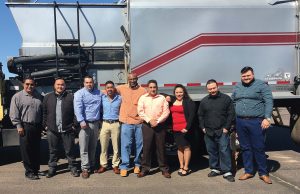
x: 252, y: 141
x: 219, y: 152
x: 130, y: 132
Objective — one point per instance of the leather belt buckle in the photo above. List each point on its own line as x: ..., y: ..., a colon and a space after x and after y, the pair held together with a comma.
x: 110, y: 121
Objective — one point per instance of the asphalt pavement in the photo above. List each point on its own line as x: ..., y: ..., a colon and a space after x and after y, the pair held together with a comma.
x: 283, y: 161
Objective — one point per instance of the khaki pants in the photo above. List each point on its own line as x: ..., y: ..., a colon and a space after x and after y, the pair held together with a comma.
x: 110, y: 131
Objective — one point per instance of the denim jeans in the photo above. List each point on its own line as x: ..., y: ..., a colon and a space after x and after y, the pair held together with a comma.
x: 130, y: 132
x: 219, y: 152
x: 252, y: 142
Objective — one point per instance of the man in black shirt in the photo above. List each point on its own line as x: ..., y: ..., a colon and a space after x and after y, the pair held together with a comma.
x: 59, y: 120
x: 216, y: 113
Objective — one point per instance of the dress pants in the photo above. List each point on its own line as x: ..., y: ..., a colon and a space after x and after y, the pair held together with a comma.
x: 88, y: 139
x: 110, y: 131
x: 252, y: 141
x: 158, y: 134
x: 30, y: 148
x: 54, y: 140
x: 219, y: 152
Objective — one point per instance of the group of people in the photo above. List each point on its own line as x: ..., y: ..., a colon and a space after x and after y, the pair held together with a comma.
x: 132, y: 115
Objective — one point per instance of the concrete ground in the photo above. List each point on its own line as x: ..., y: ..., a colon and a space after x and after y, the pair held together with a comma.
x: 283, y: 161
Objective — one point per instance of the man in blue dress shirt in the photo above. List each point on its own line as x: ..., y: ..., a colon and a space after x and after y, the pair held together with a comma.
x: 110, y: 129
x: 87, y: 103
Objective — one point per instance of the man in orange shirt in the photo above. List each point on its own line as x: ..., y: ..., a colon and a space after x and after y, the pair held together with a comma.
x: 131, y: 123
x: 154, y: 110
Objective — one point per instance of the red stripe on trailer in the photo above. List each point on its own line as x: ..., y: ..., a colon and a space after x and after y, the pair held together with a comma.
x: 193, y: 84
x: 144, y: 85
x: 234, y: 83
x: 283, y: 82
x: 215, y: 39
x: 101, y: 85
x: 169, y: 85
x: 220, y: 83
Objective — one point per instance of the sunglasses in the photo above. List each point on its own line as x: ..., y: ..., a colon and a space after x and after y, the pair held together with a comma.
x: 29, y: 84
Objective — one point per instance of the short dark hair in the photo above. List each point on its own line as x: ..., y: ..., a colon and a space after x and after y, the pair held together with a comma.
x: 59, y: 78
x: 152, y: 81
x: 28, y: 78
x: 185, y: 93
x: 109, y: 82
x: 247, y: 68
x: 211, y: 81
x: 88, y: 77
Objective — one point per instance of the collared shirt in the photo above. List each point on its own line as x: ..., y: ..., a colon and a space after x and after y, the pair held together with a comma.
x: 130, y: 98
x: 58, y: 114
x: 26, y: 108
x: 253, y: 100
x: 111, y: 108
x: 153, y: 107
x: 87, y: 105
x: 216, y: 113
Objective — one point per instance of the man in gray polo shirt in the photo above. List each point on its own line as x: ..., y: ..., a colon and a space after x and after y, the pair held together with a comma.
x: 26, y: 115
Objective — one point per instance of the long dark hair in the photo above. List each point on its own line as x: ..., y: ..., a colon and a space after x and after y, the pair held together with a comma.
x: 185, y: 93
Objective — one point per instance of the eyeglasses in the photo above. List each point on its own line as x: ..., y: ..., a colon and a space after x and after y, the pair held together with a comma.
x: 29, y: 84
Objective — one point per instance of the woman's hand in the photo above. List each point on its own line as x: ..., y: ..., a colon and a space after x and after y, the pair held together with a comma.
x: 184, y: 130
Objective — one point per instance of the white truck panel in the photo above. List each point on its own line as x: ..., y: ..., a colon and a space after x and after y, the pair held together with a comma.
x: 159, y: 28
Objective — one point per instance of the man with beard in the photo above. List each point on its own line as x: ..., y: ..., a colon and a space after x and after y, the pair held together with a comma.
x: 253, y: 106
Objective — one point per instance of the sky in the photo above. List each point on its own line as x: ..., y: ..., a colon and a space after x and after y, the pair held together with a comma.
x: 10, y: 38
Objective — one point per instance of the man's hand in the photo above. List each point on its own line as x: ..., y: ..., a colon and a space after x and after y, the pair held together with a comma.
x: 21, y: 131
x: 265, y: 124
x: 225, y: 130
x: 168, y: 98
x: 83, y: 126
x: 153, y: 123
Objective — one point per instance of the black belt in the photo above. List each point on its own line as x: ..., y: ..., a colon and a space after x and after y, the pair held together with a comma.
x: 33, y: 124
x: 249, y: 118
x: 91, y: 121
x: 110, y: 121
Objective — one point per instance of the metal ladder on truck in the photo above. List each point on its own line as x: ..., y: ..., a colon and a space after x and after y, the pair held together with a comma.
x: 75, y: 69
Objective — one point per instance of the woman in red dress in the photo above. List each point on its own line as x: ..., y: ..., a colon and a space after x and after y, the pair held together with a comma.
x: 183, y: 112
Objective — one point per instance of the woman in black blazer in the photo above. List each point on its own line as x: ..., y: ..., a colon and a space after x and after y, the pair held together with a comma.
x: 183, y: 113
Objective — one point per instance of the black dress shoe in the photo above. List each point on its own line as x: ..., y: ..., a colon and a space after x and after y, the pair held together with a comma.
x: 32, y: 176
x: 51, y: 173
x: 41, y: 173
x: 230, y: 178
x: 213, y: 174
x: 142, y: 174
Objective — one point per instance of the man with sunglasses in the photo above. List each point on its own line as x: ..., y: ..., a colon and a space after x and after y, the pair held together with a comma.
x: 26, y: 115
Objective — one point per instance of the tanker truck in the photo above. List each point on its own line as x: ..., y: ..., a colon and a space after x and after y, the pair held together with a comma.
x: 172, y: 41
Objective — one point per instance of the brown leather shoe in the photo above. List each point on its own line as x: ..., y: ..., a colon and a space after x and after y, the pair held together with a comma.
x: 85, y: 174
x: 245, y: 176
x: 116, y: 170
x: 142, y: 174
x: 101, y: 169
x: 266, y: 179
x: 166, y: 174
